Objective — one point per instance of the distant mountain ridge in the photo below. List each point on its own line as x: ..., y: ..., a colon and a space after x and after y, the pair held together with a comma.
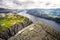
x: 3, y: 10
x: 50, y: 14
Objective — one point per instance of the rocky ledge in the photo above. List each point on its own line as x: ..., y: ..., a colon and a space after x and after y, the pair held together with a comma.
x: 37, y: 31
x: 12, y: 24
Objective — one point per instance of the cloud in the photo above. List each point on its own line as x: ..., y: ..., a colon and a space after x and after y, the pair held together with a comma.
x: 22, y: 4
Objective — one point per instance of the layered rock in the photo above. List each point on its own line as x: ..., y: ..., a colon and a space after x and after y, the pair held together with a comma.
x: 37, y: 31
x: 13, y: 29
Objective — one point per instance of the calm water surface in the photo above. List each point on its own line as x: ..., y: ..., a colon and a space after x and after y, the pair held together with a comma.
x: 49, y: 22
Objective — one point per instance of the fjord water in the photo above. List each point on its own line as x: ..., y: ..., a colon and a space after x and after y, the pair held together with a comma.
x: 35, y: 19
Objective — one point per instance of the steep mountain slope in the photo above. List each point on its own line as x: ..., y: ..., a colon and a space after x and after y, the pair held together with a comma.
x: 50, y: 14
x: 10, y: 24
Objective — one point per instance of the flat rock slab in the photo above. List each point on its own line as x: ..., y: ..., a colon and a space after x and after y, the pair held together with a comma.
x: 37, y: 31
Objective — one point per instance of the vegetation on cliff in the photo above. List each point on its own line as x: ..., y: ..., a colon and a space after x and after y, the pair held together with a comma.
x: 9, y: 20
x: 10, y: 24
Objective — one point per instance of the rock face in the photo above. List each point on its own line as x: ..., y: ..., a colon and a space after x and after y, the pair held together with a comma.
x: 37, y: 31
x: 1, y: 39
x: 12, y: 30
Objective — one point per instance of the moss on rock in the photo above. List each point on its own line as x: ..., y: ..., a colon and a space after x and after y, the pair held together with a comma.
x: 11, y: 24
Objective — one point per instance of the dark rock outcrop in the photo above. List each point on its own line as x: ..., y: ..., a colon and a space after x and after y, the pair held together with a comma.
x: 37, y: 31
x: 11, y: 31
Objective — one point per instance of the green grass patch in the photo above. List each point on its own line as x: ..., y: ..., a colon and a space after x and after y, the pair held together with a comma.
x: 9, y: 20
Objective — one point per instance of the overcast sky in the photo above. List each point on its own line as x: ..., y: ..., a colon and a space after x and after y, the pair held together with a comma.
x: 23, y: 4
